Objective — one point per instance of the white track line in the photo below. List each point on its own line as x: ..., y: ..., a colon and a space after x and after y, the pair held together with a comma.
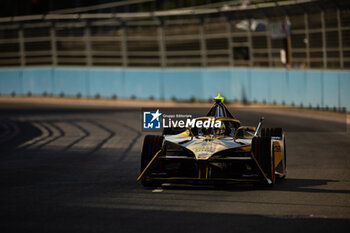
x: 46, y: 141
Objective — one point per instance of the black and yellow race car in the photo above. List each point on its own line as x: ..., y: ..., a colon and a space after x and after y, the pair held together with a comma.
x: 205, y: 153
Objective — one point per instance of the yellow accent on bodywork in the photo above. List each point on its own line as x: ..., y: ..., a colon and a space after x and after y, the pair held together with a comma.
x: 278, y: 152
x: 185, y: 134
x: 149, y: 164
x: 219, y: 97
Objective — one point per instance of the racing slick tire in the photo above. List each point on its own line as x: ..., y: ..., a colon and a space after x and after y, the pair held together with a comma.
x: 263, y: 153
x: 277, y: 132
x: 151, y: 145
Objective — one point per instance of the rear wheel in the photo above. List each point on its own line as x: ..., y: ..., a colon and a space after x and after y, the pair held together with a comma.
x: 278, y: 132
x: 151, y: 145
x: 263, y: 152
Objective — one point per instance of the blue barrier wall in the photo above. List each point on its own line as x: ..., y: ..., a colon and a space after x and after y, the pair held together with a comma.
x: 322, y: 88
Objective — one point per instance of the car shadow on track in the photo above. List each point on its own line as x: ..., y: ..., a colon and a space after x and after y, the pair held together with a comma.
x: 290, y: 184
x: 307, y: 185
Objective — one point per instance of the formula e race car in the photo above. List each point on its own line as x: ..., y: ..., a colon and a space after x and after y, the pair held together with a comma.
x: 206, y: 153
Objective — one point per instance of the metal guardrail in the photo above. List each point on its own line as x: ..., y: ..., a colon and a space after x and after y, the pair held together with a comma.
x: 317, y: 40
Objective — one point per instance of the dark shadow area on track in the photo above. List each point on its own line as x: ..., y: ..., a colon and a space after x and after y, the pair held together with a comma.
x: 113, y: 219
x: 53, y: 169
x: 26, y: 132
x: 305, y: 185
x: 287, y: 184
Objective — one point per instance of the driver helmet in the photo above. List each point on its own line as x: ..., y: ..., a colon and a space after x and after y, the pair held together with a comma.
x: 221, y: 130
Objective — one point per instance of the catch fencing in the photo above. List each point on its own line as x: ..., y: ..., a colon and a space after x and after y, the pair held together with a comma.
x: 315, y: 38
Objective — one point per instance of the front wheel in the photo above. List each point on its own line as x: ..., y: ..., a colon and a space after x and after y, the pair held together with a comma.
x: 151, y: 145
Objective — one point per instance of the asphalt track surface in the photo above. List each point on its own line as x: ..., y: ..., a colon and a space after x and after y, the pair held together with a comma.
x: 74, y: 169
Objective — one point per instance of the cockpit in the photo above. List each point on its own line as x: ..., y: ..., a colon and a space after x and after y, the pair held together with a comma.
x: 226, y: 128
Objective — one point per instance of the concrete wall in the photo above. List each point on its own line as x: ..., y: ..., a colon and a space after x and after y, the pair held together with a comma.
x: 323, y: 88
